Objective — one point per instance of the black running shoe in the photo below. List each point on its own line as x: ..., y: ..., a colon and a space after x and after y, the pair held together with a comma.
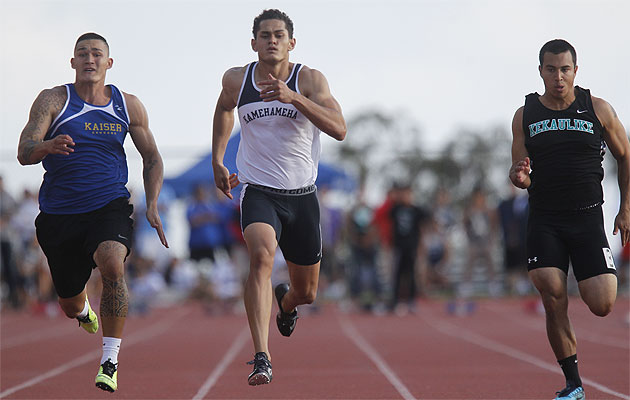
x: 286, y: 321
x: 262, y: 370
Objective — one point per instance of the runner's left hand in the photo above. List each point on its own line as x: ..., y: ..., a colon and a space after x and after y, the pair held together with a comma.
x: 154, y: 219
x: 622, y: 225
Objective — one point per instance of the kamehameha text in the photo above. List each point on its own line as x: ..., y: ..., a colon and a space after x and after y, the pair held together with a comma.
x: 268, y: 112
x: 103, y: 128
x: 560, y: 124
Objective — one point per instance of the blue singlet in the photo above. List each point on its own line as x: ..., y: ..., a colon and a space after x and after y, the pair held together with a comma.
x: 96, y: 172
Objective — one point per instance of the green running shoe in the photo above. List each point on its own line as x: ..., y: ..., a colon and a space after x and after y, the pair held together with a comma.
x: 107, y: 377
x: 90, y: 321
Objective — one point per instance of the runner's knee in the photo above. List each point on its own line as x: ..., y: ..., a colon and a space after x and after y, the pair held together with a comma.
x: 601, y: 308
x: 109, y: 257
x: 307, y: 296
x: 261, y: 258
x: 112, y: 271
x: 71, y: 308
x: 554, y: 301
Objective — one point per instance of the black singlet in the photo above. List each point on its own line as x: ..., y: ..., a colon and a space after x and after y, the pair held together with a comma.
x: 566, y: 150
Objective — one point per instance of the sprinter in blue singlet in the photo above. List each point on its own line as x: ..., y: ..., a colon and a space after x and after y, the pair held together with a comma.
x: 77, y: 131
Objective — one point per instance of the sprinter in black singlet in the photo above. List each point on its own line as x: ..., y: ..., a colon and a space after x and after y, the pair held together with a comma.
x: 559, y: 140
x: 282, y: 107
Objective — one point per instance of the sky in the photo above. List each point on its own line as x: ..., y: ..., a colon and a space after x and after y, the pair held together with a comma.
x: 448, y: 64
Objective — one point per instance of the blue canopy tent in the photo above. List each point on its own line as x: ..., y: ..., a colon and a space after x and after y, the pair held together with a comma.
x: 201, y: 173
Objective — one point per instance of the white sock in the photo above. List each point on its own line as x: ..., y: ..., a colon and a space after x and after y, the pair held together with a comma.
x: 111, y: 346
x: 84, y: 313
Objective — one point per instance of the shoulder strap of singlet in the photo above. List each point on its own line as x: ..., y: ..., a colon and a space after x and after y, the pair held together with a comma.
x: 53, y: 125
x: 249, y: 93
x: 247, y: 89
x: 531, y: 101
x: 118, y: 97
x: 292, y: 82
x: 585, y: 101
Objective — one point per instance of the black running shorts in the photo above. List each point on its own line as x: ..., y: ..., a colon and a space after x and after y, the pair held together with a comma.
x: 70, y: 240
x: 293, y: 214
x: 555, y: 237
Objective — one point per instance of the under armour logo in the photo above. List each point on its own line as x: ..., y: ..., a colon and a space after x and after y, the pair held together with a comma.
x: 532, y: 260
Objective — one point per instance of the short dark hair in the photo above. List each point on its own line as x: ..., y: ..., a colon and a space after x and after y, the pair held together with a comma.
x: 273, y: 14
x: 91, y: 36
x: 557, y: 46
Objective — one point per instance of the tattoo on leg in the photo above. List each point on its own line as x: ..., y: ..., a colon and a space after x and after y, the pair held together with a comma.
x: 115, y: 298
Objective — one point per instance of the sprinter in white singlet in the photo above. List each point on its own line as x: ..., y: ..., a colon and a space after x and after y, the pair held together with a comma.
x: 282, y: 107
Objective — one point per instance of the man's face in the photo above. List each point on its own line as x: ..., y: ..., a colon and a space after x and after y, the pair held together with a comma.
x: 272, y: 41
x: 91, y: 60
x: 558, y: 73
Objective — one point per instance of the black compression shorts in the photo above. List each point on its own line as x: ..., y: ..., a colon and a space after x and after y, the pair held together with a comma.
x: 70, y: 240
x: 555, y: 237
x: 293, y: 214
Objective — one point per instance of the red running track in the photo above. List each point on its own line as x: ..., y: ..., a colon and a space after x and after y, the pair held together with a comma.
x: 499, y: 352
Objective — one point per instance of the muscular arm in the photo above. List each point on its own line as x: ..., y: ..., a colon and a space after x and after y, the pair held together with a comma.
x: 520, y: 169
x: 316, y: 103
x: 153, y: 168
x: 32, y: 148
x: 617, y: 142
x: 222, y: 125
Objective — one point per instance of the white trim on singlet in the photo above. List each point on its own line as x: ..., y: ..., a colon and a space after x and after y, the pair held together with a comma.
x: 122, y: 96
x: 65, y: 106
x: 254, y: 76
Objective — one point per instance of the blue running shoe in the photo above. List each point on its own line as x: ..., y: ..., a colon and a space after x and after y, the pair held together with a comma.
x: 571, y: 393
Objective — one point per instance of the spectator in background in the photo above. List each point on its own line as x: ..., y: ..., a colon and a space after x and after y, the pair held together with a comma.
x: 23, y: 219
x: 407, y: 222
x: 383, y: 223
x: 208, y: 220
x: 8, y: 266
x: 363, y: 276
x: 331, y: 222
x: 513, y: 212
x: 435, y: 246
x: 480, y: 223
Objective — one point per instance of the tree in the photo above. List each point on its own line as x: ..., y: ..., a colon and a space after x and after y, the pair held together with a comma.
x: 382, y: 148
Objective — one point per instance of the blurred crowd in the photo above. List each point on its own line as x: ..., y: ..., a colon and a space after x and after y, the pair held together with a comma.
x: 377, y: 259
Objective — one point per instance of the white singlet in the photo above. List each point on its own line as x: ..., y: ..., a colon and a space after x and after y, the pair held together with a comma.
x: 279, y: 146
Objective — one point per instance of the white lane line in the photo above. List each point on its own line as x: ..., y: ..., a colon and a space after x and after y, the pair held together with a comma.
x: 36, y: 336
x: 229, y: 356
x: 469, y: 336
x: 350, y: 331
x: 581, y: 334
x: 142, y: 335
